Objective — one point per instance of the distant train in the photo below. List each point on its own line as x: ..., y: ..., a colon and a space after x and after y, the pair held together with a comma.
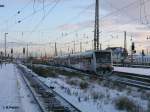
x: 99, y: 62
x: 136, y: 61
x: 142, y: 60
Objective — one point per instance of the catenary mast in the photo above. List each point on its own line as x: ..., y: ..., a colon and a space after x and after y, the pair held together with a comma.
x: 96, y: 28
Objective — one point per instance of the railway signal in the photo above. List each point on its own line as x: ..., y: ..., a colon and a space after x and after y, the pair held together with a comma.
x: 133, y: 51
x: 143, y: 53
x: 11, y: 51
x: 148, y: 37
x: 5, y: 44
x: 1, y: 54
x: 24, y: 51
x: 133, y: 46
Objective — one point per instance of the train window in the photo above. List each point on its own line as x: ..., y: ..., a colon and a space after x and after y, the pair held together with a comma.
x: 103, y: 57
x: 88, y: 61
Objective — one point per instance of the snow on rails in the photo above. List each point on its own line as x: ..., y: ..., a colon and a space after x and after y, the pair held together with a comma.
x: 48, y: 99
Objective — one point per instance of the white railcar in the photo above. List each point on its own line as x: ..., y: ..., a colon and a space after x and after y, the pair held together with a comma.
x: 91, y: 61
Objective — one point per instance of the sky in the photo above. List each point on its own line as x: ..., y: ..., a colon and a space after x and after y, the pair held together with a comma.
x: 41, y: 23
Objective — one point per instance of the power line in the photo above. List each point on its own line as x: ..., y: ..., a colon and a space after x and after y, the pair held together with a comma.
x: 110, y: 14
x: 120, y: 9
x: 17, y: 12
x: 35, y: 12
x: 145, y: 12
x: 28, y: 16
x: 78, y: 15
x: 133, y: 20
x: 43, y: 18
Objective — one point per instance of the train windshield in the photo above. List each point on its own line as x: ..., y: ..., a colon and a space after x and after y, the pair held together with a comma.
x: 103, y: 57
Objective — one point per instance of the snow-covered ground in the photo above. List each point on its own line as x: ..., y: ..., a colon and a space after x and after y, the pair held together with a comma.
x: 95, y: 98
x: 14, y: 95
x: 141, y: 71
x: 99, y: 96
x: 9, y: 94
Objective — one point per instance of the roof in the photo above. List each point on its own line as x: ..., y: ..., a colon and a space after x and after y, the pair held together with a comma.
x: 82, y: 54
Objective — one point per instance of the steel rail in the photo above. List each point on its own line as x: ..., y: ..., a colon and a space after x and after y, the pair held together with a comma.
x: 65, y: 103
x: 131, y: 79
x: 32, y: 92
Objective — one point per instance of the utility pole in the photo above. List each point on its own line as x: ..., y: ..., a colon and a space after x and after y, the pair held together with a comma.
x: 27, y: 51
x: 74, y: 47
x: 50, y: 49
x: 92, y: 44
x: 125, y: 40
x: 80, y: 46
x: 68, y: 50
x: 100, y: 46
x: 60, y: 52
x: 55, y: 49
x: 125, y: 48
x: 148, y: 38
x: 96, y: 28
x: 5, y: 44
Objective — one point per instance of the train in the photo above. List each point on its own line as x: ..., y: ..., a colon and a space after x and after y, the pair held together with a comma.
x: 143, y: 60
x: 136, y: 61
x: 98, y: 62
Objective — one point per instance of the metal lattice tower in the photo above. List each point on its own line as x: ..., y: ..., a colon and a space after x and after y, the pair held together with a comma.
x: 96, y: 29
x: 125, y: 40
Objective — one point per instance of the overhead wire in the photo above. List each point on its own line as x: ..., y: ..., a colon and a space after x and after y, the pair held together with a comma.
x: 102, y: 17
x: 28, y: 16
x: 111, y: 13
x: 17, y: 12
x: 34, y: 1
x: 43, y: 8
x: 35, y: 12
x: 78, y: 15
x: 141, y: 11
x: 114, y: 12
x: 144, y: 5
x: 44, y: 17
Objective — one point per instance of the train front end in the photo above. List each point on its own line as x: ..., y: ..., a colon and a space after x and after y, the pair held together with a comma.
x: 103, y: 62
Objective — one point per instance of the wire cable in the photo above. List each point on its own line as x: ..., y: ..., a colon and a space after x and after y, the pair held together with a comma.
x: 43, y: 18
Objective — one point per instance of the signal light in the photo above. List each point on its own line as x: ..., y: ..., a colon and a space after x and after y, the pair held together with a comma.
x: 133, y: 46
x: 23, y: 50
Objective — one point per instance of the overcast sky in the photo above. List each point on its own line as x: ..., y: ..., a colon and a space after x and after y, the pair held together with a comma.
x: 64, y: 21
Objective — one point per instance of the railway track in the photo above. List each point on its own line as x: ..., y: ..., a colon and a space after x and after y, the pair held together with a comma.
x: 131, y: 79
x: 141, y: 81
x: 47, y: 99
x: 133, y: 66
x: 33, y: 94
x: 136, y: 80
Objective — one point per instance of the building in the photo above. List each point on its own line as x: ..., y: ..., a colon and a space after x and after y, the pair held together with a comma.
x: 118, y: 54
